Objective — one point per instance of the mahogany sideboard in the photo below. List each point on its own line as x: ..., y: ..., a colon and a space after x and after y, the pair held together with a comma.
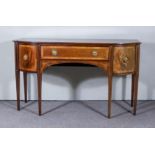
x: 115, y: 57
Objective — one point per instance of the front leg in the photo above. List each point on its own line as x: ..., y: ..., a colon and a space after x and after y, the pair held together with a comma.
x: 109, y: 94
x: 135, y: 94
x: 39, y: 78
x: 132, y: 89
x: 25, y: 85
x: 18, y: 88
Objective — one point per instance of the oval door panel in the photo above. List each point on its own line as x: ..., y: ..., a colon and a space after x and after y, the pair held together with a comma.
x: 124, y: 60
x: 28, y: 57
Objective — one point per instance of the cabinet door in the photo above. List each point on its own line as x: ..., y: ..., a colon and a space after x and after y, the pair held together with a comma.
x: 124, y: 60
x: 28, y: 58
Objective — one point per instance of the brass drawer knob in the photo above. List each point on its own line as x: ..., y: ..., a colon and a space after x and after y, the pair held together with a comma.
x: 25, y: 57
x: 94, y: 53
x: 54, y: 52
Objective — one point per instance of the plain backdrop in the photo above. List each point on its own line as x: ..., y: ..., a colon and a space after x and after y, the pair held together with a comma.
x: 77, y: 83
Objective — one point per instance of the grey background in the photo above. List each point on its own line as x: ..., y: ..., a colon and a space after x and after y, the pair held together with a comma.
x: 80, y: 83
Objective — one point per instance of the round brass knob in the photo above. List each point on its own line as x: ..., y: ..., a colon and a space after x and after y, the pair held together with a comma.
x: 94, y: 53
x: 25, y: 57
x: 54, y: 52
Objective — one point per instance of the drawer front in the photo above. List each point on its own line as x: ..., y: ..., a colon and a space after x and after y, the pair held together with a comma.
x: 28, y: 57
x: 72, y: 52
x: 124, y: 60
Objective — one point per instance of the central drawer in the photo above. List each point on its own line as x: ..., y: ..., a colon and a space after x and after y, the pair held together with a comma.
x: 75, y: 52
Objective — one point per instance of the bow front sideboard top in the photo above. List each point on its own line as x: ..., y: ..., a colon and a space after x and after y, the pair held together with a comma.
x: 115, y: 57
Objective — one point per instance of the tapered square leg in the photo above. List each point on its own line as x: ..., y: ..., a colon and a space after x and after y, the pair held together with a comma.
x: 18, y: 88
x: 39, y: 77
x: 25, y: 85
x: 136, y: 78
x: 109, y: 94
x: 135, y: 94
x: 132, y: 90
